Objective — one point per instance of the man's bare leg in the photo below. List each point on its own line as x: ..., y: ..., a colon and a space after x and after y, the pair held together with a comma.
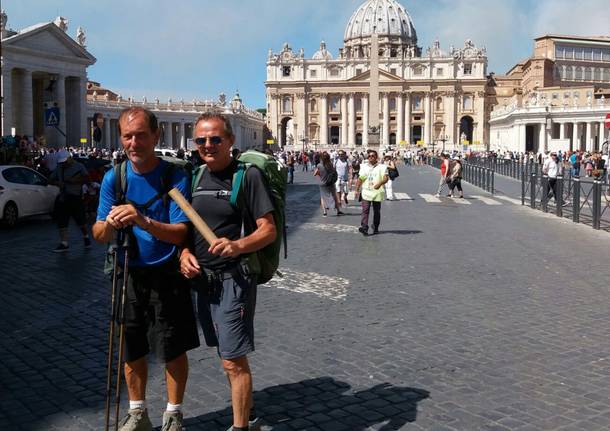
x: 240, y: 380
x: 176, y: 375
x: 136, y: 374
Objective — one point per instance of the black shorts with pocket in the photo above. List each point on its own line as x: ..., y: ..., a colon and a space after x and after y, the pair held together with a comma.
x: 70, y: 206
x: 226, y: 303
x: 159, y: 314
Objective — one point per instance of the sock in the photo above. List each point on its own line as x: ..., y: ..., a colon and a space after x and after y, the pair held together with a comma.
x: 137, y: 405
x: 65, y: 243
x: 173, y: 407
x: 239, y: 428
x: 252, y: 414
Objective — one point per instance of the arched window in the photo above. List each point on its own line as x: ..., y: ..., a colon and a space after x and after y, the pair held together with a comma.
x: 578, y: 75
x: 588, y: 74
x: 287, y: 104
x: 597, y: 74
x: 569, y: 73
x: 439, y: 103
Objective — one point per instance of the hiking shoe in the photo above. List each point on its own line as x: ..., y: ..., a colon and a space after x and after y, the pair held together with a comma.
x: 340, y: 213
x: 61, y: 248
x: 136, y: 420
x: 363, y: 231
x: 375, y: 231
x: 172, y: 421
x: 87, y: 242
x: 253, y: 425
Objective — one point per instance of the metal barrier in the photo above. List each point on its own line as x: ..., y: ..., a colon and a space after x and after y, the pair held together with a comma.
x: 582, y: 200
x: 478, y: 176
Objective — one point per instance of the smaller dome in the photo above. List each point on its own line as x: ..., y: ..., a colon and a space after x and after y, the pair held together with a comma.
x: 322, y: 53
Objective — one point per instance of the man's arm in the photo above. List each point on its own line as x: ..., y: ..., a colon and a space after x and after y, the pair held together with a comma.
x: 123, y: 216
x: 264, y: 235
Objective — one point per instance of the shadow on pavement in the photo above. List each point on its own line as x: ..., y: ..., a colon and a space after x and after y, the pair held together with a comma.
x: 327, y: 403
x: 400, y: 232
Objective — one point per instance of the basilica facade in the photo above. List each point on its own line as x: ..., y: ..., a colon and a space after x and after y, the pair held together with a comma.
x: 434, y: 98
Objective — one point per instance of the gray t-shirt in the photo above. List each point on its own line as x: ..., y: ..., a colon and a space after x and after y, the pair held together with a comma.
x: 65, y: 172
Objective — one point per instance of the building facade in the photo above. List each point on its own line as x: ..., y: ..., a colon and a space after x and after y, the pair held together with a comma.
x: 176, y: 119
x: 436, y: 98
x: 555, y: 100
x: 46, y: 93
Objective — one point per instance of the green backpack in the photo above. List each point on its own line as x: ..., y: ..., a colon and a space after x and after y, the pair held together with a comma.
x: 265, y: 261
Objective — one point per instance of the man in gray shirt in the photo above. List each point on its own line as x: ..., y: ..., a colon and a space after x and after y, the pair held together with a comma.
x: 69, y: 177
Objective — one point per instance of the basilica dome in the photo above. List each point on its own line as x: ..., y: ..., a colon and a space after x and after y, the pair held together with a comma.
x: 387, y: 18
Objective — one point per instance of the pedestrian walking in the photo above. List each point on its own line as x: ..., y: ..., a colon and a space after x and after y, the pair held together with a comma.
x: 552, y: 168
x: 455, y: 178
x: 69, y: 176
x: 328, y: 179
x: 158, y: 311
x: 290, y: 163
x: 445, y: 172
x: 226, y: 284
x: 392, y: 175
x: 373, y: 176
x: 342, y: 165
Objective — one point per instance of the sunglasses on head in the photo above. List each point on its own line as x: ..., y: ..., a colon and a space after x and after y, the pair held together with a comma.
x: 215, y: 140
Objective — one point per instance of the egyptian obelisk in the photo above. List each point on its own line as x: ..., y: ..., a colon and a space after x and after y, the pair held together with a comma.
x: 373, y: 126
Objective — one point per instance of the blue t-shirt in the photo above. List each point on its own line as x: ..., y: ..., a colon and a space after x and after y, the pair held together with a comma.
x: 140, y: 189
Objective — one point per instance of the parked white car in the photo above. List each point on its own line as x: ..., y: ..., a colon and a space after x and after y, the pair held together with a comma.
x: 23, y: 193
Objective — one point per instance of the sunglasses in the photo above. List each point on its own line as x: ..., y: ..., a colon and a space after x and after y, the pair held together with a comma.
x: 214, y: 140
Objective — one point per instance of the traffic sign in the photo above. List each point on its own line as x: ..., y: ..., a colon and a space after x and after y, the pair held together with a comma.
x: 403, y: 143
x: 607, y: 122
x: 83, y: 140
x: 420, y: 143
x: 51, y: 116
x: 270, y: 141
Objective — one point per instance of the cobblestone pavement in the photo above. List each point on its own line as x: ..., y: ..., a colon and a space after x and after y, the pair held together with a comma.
x: 472, y: 316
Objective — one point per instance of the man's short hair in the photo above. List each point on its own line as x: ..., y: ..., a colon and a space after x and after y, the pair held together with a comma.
x: 151, y: 118
x: 228, y: 130
x: 372, y: 152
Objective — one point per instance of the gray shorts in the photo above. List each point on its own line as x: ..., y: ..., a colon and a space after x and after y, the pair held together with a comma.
x: 225, y: 307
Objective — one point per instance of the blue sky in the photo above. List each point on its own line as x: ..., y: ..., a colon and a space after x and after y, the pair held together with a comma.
x: 198, y: 48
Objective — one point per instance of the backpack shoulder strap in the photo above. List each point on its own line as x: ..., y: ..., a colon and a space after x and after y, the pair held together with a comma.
x: 197, y: 175
x: 166, y: 181
x: 120, y: 182
x: 238, y: 180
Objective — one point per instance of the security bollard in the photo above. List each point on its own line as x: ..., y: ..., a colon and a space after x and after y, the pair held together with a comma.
x: 559, y: 196
x: 533, y: 183
x: 597, y: 201
x: 576, y: 200
x: 493, y: 182
x: 523, y: 188
x: 545, y: 193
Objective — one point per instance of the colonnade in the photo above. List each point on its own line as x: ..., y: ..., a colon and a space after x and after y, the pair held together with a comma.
x: 586, y: 135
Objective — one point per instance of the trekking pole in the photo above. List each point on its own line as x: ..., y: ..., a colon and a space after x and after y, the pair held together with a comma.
x: 115, y: 265
x: 125, y: 245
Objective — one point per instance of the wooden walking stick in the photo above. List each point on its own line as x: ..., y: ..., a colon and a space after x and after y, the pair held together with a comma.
x: 192, y: 215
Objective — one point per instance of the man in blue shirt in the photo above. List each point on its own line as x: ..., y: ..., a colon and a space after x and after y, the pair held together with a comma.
x: 158, y: 311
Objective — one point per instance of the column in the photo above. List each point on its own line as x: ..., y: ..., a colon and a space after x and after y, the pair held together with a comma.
x: 452, y: 115
x: 302, y: 107
x: 549, y: 135
x: 351, y: 110
x: 182, y: 135
x: 106, y: 138
x: 169, y: 135
x: 82, y: 101
x: 7, y: 100
x: 602, y: 134
x: 588, y: 138
x: 575, y: 142
x: 60, y: 99
x: 400, y: 131
x: 427, y: 120
x: 343, y: 140
x: 541, y: 137
x: 521, y: 141
x: 562, y: 130
x: 407, y: 131
x: 27, y: 105
x: 386, y: 119
x: 324, y: 120
x: 365, y: 121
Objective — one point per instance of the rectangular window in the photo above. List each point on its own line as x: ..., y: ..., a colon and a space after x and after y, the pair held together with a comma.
x: 417, y: 105
x: 286, y: 71
x: 334, y: 72
x: 569, y: 53
x: 588, y: 54
x: 313, y: 73
x: 418, y: 71
x: 393, y: 71
x: 555, y: 96
x: 467, y: 69
x: 606, y: 55
x: 358, y: 71
x: 334, y: 104
x: 597, y: 54
x: 440, y: 71
x: 578, y: 54
x: 559, y: 51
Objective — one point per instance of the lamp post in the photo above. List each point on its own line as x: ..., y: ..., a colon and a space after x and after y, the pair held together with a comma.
x: 443, y: 139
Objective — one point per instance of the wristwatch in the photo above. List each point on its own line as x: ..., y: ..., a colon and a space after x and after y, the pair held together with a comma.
x: 147, y: 223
